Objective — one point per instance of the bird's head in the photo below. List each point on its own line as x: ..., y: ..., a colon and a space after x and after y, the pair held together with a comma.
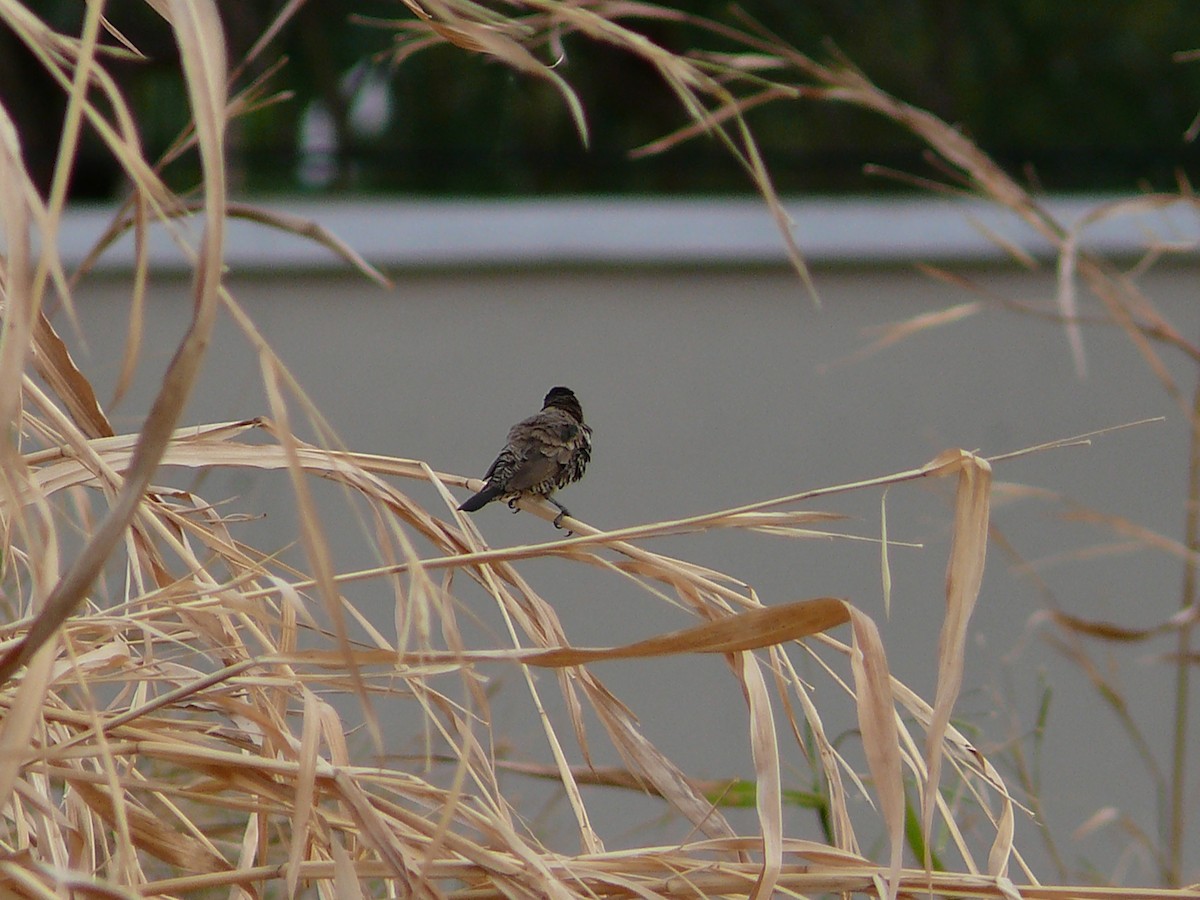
x: 564, y: 399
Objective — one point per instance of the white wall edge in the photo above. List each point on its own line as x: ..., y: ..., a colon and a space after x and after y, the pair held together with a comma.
x: 396, y: 234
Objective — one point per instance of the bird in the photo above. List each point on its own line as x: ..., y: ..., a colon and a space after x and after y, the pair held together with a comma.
x: 543, y: 453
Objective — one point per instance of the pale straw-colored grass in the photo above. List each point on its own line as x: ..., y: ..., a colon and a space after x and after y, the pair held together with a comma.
x: 177, y: 700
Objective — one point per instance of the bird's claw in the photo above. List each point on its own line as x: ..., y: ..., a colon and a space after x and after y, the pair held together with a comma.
x: 559, y: 519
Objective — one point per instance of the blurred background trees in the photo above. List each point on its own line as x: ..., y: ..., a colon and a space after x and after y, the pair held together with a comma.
x: 1079, y: 99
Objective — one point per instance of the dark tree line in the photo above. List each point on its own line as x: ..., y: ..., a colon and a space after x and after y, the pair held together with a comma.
x: 1082, y: 96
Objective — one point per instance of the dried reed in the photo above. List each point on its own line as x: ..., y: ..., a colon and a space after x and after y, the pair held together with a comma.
x: 176, y: 700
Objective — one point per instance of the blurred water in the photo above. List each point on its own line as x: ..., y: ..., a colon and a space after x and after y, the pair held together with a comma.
x: 709, y: 388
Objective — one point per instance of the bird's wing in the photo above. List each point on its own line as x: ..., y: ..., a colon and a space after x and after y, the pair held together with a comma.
x: 533, y: 471
x: 487, y: 476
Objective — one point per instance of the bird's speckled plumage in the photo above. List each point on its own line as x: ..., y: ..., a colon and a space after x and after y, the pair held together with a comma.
x: 545, y: 452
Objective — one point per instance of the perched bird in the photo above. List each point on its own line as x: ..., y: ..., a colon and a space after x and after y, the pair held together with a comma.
x: 544, y: 453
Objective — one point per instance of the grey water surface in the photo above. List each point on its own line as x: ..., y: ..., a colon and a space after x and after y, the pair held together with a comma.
x: 713, y: 386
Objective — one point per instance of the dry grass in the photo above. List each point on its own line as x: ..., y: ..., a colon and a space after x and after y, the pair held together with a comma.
x: 177, y: 700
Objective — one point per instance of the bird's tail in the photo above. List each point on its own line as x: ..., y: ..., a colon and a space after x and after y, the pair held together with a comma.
x: 482, y: 499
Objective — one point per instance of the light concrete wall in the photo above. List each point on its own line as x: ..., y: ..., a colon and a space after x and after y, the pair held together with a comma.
x: 694, y: 231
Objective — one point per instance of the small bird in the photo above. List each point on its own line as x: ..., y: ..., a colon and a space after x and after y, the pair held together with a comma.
x: 544, y: 453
